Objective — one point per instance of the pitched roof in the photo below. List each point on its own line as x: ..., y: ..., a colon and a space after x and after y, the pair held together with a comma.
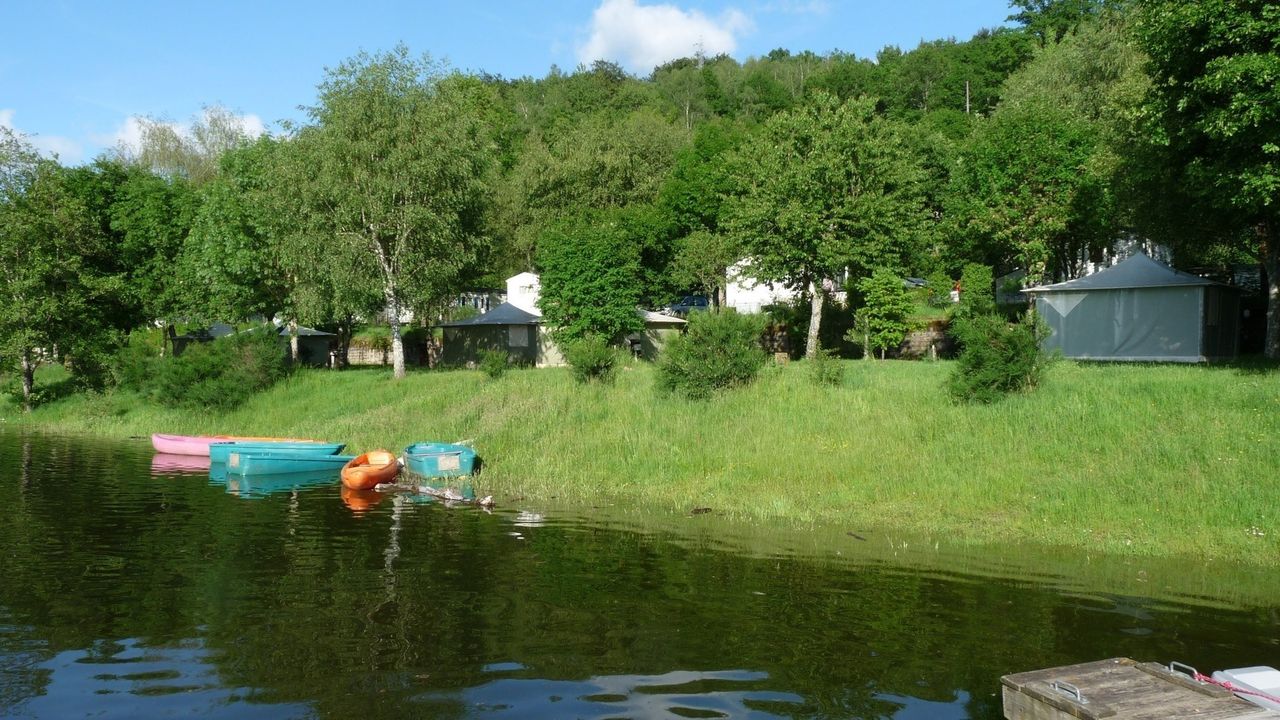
x: 1138, y: 271
x: 504, y: 314
x: 306, y: 332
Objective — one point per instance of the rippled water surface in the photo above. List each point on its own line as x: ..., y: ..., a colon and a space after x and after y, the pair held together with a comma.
x: 138, y: 586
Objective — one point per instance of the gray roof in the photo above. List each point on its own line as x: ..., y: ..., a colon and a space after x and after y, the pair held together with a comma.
x: 1138, y: 271
x: 215, y: 330
x: 504, y: 314
x: 305, y: 332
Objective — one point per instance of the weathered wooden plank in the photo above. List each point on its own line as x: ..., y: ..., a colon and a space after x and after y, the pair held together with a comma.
x: 1120, y: 689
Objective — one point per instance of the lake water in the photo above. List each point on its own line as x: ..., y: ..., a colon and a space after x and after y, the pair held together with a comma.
x: 133, y: 588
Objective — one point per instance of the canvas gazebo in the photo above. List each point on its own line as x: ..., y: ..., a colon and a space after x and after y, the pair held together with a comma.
x: 1140, y: 310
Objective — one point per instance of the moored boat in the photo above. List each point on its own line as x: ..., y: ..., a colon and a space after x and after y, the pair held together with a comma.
x: 365, y: 471
x: 266, y: 462
x: 184, y: 444
x: 219, y: 451
x: 434, y: 459
x: 199, y: 444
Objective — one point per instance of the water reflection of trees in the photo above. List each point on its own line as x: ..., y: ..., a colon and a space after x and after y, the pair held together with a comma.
x: 314, y: 604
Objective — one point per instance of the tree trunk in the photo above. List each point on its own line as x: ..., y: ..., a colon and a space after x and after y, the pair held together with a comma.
x: 28, y: 379
x: 1271, y: 263
x: 815, y: 318
x: 397, y: 344
x: 293, y: 342
x: 344, y: 341
x: 169, y: 336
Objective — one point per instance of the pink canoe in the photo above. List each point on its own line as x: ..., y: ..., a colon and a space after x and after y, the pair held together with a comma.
x: 199, y: 444
x: 185, y: 444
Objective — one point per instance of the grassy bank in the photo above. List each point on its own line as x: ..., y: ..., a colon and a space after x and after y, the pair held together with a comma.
x: 1150, y: 460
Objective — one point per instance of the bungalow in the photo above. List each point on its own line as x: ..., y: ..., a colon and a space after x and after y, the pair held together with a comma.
x: 313, y: 345
x: 516, y: 327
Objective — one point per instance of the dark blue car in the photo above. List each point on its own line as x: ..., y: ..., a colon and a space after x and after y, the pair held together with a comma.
x: 687, y: 304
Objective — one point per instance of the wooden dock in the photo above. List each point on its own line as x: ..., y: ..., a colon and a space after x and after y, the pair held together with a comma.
x: 1120, y: 689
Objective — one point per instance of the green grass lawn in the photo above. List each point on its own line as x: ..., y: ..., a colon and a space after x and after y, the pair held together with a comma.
x: 1142, y: 459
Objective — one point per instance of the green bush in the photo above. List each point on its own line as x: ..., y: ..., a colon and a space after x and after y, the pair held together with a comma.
x: 938, y: 290
x: 373, y: 337
x: 825, y: 368
x: 136, y: 363
x: 591, y: 359
x: 885, y: 317
x: 977, y: 292
x: 217, y: 374
x: 718, y: 350
x: 999, y: 357
x: 494, y: 363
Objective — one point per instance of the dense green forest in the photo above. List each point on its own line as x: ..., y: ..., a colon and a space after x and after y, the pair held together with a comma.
x: 1027, y: 147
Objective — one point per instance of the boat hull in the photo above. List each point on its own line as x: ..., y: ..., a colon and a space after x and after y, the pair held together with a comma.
x: 220, y: 451
x: 199, y: 444
x: 439, y: 460
x: 247, y: 463
x: 365, y: 471
x: 184, y: 444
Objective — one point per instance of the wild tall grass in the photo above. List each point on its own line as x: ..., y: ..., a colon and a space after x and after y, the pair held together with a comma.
x: 1154, y: 460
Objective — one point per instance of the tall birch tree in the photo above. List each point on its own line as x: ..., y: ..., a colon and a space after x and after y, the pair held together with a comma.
x: 391, y: 172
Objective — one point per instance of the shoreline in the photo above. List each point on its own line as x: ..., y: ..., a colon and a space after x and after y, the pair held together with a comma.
x: 1140, y: 461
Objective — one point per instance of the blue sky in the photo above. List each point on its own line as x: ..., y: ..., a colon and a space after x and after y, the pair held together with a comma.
x: 73, y: 72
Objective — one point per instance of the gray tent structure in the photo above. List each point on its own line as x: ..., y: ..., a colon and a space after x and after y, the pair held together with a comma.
x: 1140, y: 310
x: 506, y: 327
x: 526, y: 341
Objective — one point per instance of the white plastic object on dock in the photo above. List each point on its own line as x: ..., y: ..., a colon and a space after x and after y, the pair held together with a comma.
x: 1259, y: 679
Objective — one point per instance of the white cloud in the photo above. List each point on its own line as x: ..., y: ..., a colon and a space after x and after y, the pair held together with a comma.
x: 252, y: 125
x: 640, y: 37
x: 128, y: 136
x: 67, y: 151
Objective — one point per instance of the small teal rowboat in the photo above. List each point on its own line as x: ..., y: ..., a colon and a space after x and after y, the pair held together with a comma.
x: 439, y: 459
x: 436, y: 462
x: 219, y: 451
x: 255, y: 462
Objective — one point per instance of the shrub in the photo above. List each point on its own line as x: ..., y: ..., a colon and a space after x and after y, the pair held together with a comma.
x: 218, y: 374
x: 374, y: 337
x: 883, y: 321
x: 939, y: 289
x: 825, y: 368
x: 591, y: 359
x: 977, y: 292
x: 718, y: 350
x: 494, y: 362
x: 135, y: 363
x: 998, y: 357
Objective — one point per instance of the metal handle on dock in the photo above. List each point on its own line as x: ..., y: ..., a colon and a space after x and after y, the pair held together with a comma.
x: 1175, y: 667
x: 1067, y: 688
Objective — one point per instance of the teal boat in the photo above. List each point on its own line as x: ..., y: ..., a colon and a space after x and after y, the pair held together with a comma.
x: 432, y: 460
x: 257, y: 486
x: 439, y: 464
x: 257, y: 462
x: 219, y: 451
